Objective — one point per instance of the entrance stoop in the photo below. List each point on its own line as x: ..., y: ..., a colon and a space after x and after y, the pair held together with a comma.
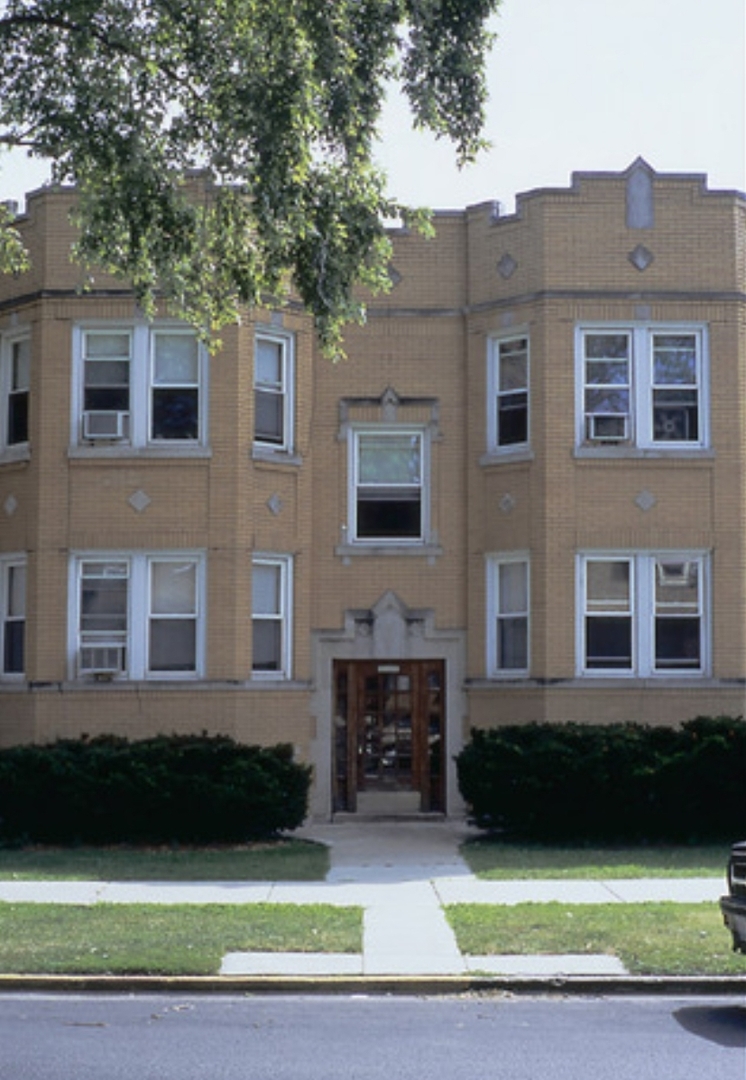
x: 388, y: 806
x: 389, y: 803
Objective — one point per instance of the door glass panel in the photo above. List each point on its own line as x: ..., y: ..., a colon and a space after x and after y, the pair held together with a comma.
x: 388, y: 732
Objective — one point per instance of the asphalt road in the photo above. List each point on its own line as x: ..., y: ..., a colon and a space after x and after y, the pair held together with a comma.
x: 161, y: 1037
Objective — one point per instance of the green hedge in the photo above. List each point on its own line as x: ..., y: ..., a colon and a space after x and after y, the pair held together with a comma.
x: 188, y: 789
x: 616, y: 782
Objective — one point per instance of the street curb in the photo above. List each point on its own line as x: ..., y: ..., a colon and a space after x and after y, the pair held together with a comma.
x: 403, y: 985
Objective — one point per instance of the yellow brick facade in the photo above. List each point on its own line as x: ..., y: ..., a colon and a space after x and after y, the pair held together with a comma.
x: 638, y: 253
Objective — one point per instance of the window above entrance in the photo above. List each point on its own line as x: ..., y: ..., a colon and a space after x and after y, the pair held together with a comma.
x: 390, y: 442
x: 388, y: 501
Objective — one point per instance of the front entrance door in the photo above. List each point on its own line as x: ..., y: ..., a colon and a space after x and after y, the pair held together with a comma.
x: 389, y: 724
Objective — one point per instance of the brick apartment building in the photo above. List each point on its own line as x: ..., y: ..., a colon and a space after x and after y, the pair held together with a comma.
x: 522, y: 497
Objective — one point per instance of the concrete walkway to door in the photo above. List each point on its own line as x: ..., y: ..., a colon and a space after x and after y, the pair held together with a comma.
x: 402, y: 874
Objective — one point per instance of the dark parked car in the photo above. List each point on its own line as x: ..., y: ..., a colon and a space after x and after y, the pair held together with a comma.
x: 733, y: 906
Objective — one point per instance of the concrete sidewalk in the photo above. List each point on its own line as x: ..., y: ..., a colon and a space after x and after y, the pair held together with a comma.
x: 402, y: 874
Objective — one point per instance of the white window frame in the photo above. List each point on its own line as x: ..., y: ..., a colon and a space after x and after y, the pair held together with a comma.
x: 495, y: 391
x: 358, y: 432
x: 284, y: 566
x: 639, y: 433
x: 136, y: 423
x: 136, y: 637
x: 7, y: 341
x: 8, y: 563
x: 643, y: 614
x: 284, y: 389
x: 495, y: 613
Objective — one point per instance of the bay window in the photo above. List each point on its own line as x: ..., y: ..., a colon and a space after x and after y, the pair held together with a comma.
x: 508, y: 396
x: 643, y: 386
x: 138, y: 615
x: 12, y: 615
x: 273, y: 382
x: 15, y: 381
x: 271, y: 616
x: 643, y: 613
x: 508, y: 615
x: 138, y: 385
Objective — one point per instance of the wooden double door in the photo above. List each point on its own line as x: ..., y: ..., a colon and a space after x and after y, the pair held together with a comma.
x: 389, y: 735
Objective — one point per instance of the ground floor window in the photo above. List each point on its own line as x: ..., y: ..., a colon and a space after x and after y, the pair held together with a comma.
x: 643, y: 613
x: 508, y: 615
x: 271, y: 607
x: 138, y: 615
x: 13, y: 614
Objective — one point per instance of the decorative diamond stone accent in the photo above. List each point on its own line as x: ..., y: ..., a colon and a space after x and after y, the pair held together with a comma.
x: 641, y: 257
x: 139, y: 501
x: 507, y: 504
x: 274, y: 502
x: 507, y: 266
x: 10, y: 505
x: 645, y: 500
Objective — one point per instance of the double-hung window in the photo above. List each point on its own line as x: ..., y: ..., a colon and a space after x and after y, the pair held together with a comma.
x: 15, y: 372
x: 138, y: 615
x: 508, y: 615
x: 12, y: 615
x: 643, y: 386
x: 643, y: 613
x: 507, y: 422
x: 271, y: 593
x: 388, y: 501
x: 174, y: 390
x: 273, y: 379
x: 139, y: 385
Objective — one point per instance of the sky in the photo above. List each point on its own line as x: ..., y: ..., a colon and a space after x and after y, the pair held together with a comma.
x: 575, y: 86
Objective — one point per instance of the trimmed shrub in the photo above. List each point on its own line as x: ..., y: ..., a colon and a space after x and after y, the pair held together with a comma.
x: 616, y: 782
x: 188, y: 789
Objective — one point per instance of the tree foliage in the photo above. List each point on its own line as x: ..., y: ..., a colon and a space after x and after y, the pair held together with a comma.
x: 277, y: 101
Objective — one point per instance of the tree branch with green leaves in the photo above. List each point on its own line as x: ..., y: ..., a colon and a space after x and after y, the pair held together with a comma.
x: 277, y: 102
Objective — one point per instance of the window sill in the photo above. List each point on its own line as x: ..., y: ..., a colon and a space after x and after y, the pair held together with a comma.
x: 591, y: 683
x: 192, y: 685
x: 647, y: 453
x: 377, y: 551
x: 13, y: 455
x: 507, y: 456
x: 266, y: 456
x: 118, y: 453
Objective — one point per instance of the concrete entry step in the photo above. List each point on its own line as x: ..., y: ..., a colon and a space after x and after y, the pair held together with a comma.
x: 345, y: 817
x: 390, y: 803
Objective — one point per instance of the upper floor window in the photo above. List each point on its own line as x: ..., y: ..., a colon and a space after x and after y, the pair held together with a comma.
x: 138, y: 615
x: 508, y: 615
x: 139, y: 385
x: 273, y: 367
x: 507, y: 421
x: 388, y: 497
x: 12, y: 614
x: 271, y: 607
x: 643, y: 385
x: 643, y: 614
x: 15, y: 372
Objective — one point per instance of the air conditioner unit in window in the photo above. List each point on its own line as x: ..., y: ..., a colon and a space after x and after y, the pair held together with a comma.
x: 102, y: 661
x: 104, y: 424
x: 677, y: 573
x: 608, y: 427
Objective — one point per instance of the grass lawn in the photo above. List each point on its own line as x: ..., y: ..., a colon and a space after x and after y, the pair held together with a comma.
x: 175, y: 939
x: 649, y: 939
x: 494, y: 860
x: 282, y: 860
